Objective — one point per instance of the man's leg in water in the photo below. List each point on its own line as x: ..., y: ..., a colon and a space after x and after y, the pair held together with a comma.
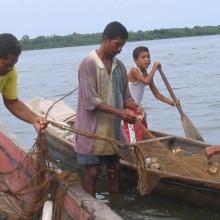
x: 113, y: 171
x: 90, y: 178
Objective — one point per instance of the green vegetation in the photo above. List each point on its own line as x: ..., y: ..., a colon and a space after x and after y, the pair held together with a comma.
x: 76, y: 39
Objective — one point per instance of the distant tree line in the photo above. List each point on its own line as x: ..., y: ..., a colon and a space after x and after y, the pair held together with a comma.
x: 77, y: 39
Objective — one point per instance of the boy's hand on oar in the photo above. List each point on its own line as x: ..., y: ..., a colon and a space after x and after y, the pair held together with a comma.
x: 157, y: 65
x: 176, y: 103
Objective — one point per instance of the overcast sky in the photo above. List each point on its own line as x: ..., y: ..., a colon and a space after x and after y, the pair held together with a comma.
x: 62, y: 17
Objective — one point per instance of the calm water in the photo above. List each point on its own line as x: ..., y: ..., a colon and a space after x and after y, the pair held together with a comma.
x: 193, y: 69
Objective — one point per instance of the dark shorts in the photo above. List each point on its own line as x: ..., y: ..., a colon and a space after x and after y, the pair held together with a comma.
x: 84, y: 159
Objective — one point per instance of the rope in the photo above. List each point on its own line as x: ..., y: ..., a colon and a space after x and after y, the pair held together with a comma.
x: 44, y: 185
x: 46, y: 115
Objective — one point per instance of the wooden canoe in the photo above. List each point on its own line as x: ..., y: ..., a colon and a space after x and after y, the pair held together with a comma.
x: 77, y: 203
x: 200, y: 192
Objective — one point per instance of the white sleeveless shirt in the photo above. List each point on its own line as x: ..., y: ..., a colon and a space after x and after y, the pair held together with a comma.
x: 137, y: 89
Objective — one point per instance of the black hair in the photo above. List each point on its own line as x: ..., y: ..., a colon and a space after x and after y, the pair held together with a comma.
x: 137, y: 51
x: 115, y: 29
x: 9, y: 45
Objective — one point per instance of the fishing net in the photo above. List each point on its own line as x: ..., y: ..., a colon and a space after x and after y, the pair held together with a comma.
x: 156, y: 160
x: 47, y: 183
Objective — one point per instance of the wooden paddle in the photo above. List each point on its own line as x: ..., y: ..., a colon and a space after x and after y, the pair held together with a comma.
x: 188, y: 126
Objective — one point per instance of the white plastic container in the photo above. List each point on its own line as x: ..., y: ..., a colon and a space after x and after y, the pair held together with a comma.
x: 47, y: 210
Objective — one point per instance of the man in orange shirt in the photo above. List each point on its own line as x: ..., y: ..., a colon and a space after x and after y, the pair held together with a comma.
x: 10, y: 50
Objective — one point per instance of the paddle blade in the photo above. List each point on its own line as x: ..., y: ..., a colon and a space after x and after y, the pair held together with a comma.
x: 189, y: 128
